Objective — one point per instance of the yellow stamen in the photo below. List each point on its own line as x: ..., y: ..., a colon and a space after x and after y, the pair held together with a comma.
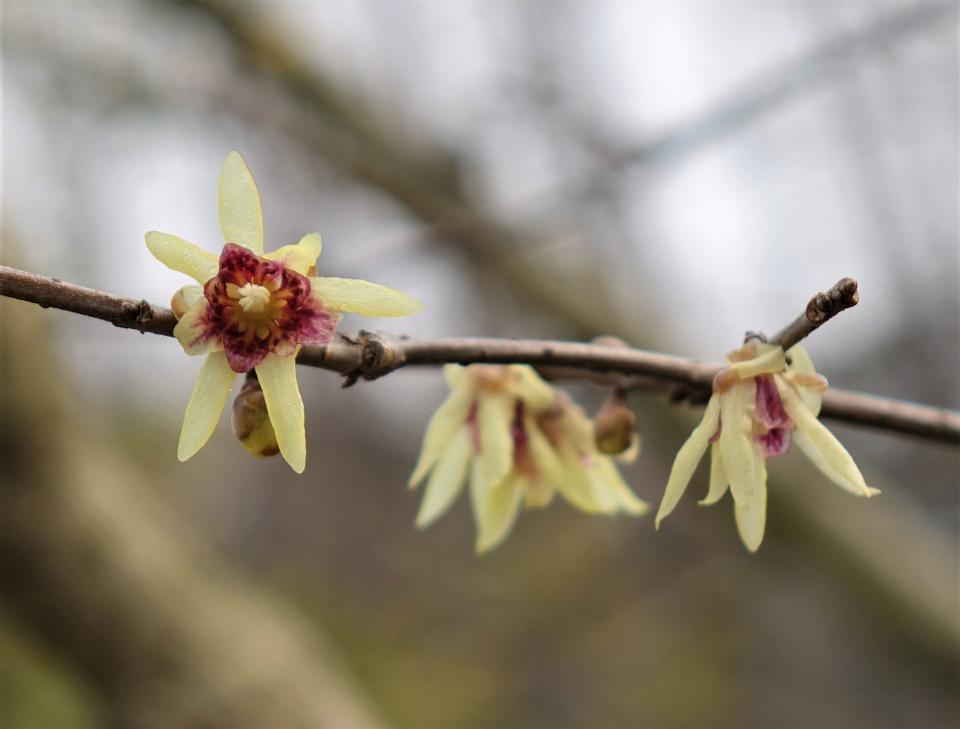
x: 253, y: 298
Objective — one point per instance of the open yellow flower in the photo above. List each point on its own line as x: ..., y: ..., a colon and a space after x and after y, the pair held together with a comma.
x: 253, y: 310
x: 518, y: 441
x: 759, y: 403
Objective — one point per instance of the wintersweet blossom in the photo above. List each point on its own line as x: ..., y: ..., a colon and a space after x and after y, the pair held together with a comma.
x: 253, y: 311
x: 518, y: 442
x: 760, y: 403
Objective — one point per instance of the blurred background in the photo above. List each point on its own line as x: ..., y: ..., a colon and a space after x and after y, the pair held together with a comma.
x: 669, y: 172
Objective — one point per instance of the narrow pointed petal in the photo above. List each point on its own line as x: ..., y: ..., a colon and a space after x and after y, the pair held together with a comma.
x: 545, y: 458
x: 455, y: 375
x: 688, y: 457
x: 497, y: 512
x: 718, y: 478
x: 532, y: 389
x: 278, y: 378
x: 751, y: 516
x: 628, y: 501
x: 772, y: 359
x: 299, y: 256
x: 538, y: 493
x: 494, y: 419
x: 584, y: 487
x: 574, y: 484
x: 821, y: 446
x: 736, y: 438
x: 206, y: 404
x: 447, y: 479
x: 241, y: 219
x: 802, y: 364
x: 446, y: 421
x: 364, y: 298
x: 182, y: 256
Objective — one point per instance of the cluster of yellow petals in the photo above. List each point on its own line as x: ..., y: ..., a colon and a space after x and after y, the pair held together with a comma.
x: 518, y: 442
x: 241, y: 222
x: 515, y: 440
x: 737, y: 458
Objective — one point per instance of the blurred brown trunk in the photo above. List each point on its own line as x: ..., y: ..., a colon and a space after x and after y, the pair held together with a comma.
x: 99, y: 567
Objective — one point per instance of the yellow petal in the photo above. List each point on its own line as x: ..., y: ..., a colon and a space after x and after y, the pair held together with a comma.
x: 455, y: 375
x: 496, y: 510
x: 192, y: 333
x: 545, y: 458
x: 572, y: 482
x: 531, y: 388
x: 494, y: 419
x: 687, y: 459
x: 182, y: 256
x: 736, y: 437
x: 771, y: 359
x: 278, y: 378
x: 820, y: 445
x: 444, y: 424
x: 614, y: 484
x: 751, y: 516
x: 802, y: 364
x: 241, y: 219
x: 364, y: 298
x: 299, y: 256
x: 718, y: 478
x: 584, y: 489
x: 447, y: 479
x: 206, y: 404
x: 538, y: 493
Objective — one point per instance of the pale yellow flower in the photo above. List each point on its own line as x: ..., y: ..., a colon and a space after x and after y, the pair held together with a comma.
x: 518, y: 442
x: 760, y: 402
x: 253, y: 310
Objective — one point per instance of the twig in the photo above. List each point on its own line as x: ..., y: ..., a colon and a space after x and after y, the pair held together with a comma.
x: 372, y: 355
x: 820, y: 309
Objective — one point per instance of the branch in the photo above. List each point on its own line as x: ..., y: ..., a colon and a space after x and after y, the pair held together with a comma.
x: 372, y: 355
x: 820, y: 309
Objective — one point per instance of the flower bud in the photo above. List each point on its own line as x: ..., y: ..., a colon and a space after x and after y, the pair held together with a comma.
x: 251, y: 424
x: 615, y: 425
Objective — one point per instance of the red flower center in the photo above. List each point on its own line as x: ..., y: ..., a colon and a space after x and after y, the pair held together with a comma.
x: 257, y: 307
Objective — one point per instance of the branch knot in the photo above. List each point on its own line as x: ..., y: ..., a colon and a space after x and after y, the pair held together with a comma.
x: 379, y: 356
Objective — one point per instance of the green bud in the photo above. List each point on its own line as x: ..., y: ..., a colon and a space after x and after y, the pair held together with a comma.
x: 251, y: 424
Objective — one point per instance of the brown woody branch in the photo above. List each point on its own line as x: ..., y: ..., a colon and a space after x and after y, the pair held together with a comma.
x: 372, y: 355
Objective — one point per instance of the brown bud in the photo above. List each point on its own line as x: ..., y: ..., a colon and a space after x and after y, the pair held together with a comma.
x: 615, y: 426
x: 251, y: 424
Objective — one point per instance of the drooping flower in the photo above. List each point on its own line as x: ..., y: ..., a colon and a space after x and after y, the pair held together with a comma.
x: 518, y: 442
x: 762, y: 402
x: 254, y: 310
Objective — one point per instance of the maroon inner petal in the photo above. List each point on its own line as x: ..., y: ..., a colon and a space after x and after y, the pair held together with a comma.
x: 296, y: 316
x: 769, y: 410
x: 776, y: 442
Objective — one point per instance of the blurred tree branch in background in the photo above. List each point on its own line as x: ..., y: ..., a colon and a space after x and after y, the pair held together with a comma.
x: 920, y: 595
